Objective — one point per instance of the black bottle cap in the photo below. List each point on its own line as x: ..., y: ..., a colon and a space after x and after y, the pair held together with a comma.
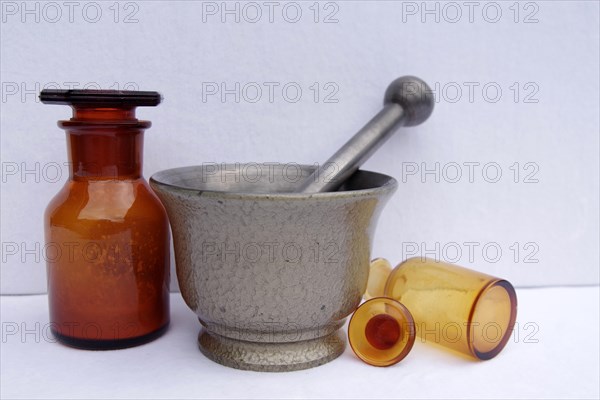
x: 100, y: 98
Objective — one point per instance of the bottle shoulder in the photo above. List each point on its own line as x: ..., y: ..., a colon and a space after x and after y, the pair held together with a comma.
x: 114, y: 200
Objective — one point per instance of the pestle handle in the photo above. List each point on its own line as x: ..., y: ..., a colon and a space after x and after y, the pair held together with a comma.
x: 408, y: 101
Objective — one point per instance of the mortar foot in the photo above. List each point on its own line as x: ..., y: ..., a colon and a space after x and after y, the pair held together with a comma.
x: 271, y: 357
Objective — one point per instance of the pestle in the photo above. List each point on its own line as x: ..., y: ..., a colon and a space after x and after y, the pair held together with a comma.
x: 408, y: 101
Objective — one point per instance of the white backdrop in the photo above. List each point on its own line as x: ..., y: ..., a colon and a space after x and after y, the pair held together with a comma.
x: 503, y: 178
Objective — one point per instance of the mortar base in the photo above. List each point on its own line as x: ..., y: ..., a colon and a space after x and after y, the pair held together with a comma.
x: 271, y: 357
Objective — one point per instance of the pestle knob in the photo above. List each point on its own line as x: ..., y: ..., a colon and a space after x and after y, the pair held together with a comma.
x: 408, y: 101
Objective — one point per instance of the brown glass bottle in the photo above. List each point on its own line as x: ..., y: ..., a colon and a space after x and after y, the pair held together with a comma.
x: 107, y: 234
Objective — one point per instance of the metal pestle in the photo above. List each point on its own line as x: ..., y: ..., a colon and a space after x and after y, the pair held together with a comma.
x: 408, y: 101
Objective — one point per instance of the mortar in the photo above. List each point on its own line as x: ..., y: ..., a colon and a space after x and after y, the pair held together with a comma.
x: 271, y: 274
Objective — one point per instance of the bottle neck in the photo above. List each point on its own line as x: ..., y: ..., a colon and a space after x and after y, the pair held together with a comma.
x: 105, y: 144
x: 105, y: 155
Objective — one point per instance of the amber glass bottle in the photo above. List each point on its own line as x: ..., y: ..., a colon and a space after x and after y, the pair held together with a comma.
x: 107, y: 234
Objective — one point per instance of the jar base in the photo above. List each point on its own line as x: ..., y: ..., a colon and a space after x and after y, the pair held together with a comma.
x: 88, y: 344
x: 271, y: 357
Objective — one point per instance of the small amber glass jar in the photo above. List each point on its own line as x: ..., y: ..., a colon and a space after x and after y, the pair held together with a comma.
x: 381, y: 331
x: 106, y: 232
x: 455, y: 307
x: 458, y: 308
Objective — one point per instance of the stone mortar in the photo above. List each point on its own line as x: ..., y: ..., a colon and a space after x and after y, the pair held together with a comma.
x: 271, y: 274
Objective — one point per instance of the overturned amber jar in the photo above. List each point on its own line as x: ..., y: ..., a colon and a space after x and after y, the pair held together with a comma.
x: 455, y: 307
x: 458, y: 308
x: 107, y: 233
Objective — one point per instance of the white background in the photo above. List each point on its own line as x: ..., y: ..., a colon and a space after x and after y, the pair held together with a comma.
x: 551, y: 212
x: 545, y: 118
x: 544, y: 358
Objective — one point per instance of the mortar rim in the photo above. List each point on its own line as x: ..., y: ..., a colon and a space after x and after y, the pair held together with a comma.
x: 388, y: 187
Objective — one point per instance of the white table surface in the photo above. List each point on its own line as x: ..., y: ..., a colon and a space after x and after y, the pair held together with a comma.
x: 555, y: 355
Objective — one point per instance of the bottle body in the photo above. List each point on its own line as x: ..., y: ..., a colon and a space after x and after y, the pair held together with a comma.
x: 108, y: 235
